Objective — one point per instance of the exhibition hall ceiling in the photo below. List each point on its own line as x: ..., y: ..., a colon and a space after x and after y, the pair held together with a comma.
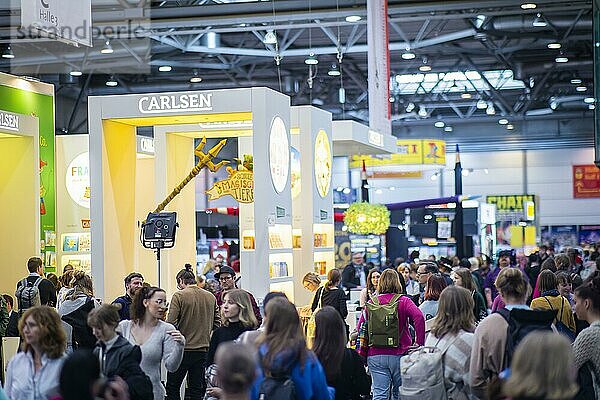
x: 469, y: 64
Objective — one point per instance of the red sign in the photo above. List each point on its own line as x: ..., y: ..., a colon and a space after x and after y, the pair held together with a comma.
x: 586, y: 181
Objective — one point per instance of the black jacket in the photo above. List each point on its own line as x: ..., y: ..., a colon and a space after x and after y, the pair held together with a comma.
x: 12, y: 330
x: 123, y: 359
x: 350, y: 278
x: 46, y: 288
x: 335, y: 298
x: 353, y: 381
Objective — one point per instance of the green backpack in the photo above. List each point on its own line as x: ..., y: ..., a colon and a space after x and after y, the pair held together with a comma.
x: 383, y: 323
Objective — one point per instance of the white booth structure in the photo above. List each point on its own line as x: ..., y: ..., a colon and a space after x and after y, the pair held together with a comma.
x: 258, y: 117
x: 19, y: 195
x: 312, y: 198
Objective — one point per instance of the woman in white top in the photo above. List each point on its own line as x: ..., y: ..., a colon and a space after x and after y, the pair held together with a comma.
x: 158, y: 340
x: 33, y: 373
x: 371, y: 289
x: 412, y: 286
x: 452, y: 333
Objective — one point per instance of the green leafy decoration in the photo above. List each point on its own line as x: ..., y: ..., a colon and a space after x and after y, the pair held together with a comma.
x: 366, y: 218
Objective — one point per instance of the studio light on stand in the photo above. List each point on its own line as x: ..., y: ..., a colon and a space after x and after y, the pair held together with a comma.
x: 158, y: 232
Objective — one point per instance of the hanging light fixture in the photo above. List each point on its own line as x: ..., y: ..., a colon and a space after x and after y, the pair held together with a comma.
x: 165, y: 68
x: 408, y: 55
x: 111, y: 82
x: 561, y: 58
x: 528, y: 6
x: 334, y: 71
x: 439, y: 124
x: 539, y: 21
x: 311, y: 59
x: 342, y: 95
x: 8, y: 53
x: 422, y: 112
x: 195, y: 78
x: 465, y: 95
x: 503, y: 121
x: 554, y: 45
x: 575, y: 81
x: 481, y: 104
x: 270, y: 37
x: 353, y: 18
x: 448, y: 128
x: 107, y: 49
x: 490, y: 110
x: 75, y: 72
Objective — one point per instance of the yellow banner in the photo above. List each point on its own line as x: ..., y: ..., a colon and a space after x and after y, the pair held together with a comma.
x: 240, y: 186
x: 409, y: 152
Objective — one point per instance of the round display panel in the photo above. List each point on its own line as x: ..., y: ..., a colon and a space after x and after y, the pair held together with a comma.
x: 279, y: 154
x: 323, y: 163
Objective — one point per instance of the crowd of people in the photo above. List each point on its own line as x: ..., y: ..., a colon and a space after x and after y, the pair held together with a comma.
x: 430, y: 329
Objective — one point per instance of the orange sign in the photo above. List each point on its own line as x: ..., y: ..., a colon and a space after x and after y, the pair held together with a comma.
x: 394, y: 174
x: 586, y: 181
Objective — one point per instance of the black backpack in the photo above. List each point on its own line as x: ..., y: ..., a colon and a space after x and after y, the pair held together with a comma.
x: 522, y: 322
x: 277, y: 385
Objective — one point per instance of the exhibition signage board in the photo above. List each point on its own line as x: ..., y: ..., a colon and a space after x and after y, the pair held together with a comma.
x: 409, y: 152
x: 379, y: 66
x: 178, y: 103
x: 9, y: 121
x: 510, y: 207
x: 239, y: 185
x: 19, y: 96
x: 586, y: 181
x: 66, y: 20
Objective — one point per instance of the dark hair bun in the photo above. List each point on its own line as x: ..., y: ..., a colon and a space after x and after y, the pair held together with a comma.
x: 188, y: 267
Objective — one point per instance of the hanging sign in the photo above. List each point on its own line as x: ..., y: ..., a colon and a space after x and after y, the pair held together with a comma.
x: 9, y: 121
x: 586, y: 181
x: 67, y: 20
x: 408, y: 152
x: 239, y: 185
x: 379, y: 66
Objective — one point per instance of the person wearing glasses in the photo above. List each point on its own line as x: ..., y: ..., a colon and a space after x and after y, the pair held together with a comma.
x: 424, y: 271
x: 158, y: 340
x: 195, y: 313
x: 226, y: 277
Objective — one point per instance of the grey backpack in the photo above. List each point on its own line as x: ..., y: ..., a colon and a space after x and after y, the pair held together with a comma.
x: 28, y: 295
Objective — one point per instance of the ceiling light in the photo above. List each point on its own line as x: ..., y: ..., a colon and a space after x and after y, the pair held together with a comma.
x: 539, y: 21
x: 75, y: 73
x: 334, y: 71
x: 424, y: 68
x: 448, y: 129
x: 8, y: 53
x: 107, y: 49
x: 408, y: 55
x: 439, y: 124
x: 165, y: 68
x: 392, y: 187
x: 410, y: 107
x: 510, y: 127
x: 434, y: 177
x: 575, y: 81
x: 342, y: 95
x: 270, y: 37
x: 479, y: 21
x: 503, y: 121
x: 554, y: 45
x: 490, y: 110
x: 392, y: 99
x: 311, y: 60
x: 591, y: 106
x: 353, y: 18
x: 422, y: 112
x: 561, y: 59
x: 581, y: 88
x: 195, y: 79
x: 111, y: 82
x: 589, y: 100
x: 481, y: 104
x: 465, y: 95
x: 528, y: 6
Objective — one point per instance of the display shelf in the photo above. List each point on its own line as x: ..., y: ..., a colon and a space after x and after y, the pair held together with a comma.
x: 323, y: 249
x: 280, y: 237
x: 282, y: 279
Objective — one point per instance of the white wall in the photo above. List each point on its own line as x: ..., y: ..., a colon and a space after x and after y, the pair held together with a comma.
x: 548, y: 175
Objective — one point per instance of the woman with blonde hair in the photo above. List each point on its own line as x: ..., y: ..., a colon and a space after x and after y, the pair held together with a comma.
x: 237, y: 317
x: 538, y: 369
x: 384, y: 362
x: 452, y: 333
x: 311, y: 282
x: 74, y: 310
x: 65, y: 286
x: 33, y: 374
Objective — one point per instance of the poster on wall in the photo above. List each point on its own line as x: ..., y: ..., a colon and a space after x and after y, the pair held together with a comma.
x: 342, y: 246
x: 510, y: 209
x: 564, y: 236
x: 589, y: 234
x: 586, y: 181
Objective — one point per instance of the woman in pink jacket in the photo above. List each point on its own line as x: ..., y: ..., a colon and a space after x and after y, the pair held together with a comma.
x: 384, y: 362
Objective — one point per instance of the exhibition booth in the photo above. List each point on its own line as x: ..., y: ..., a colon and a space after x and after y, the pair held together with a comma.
x: 19, y: 195
x: 258, y: 118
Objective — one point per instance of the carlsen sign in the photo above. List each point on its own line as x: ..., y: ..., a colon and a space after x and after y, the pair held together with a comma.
x: 9, y: 121
x: 175, y: 103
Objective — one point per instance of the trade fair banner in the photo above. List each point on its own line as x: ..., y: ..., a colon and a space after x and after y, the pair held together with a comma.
x: 586, y: 181
x: 379, y: 67
x: 409, y: 152
x: 69, y: 21
x: 589, y: 234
